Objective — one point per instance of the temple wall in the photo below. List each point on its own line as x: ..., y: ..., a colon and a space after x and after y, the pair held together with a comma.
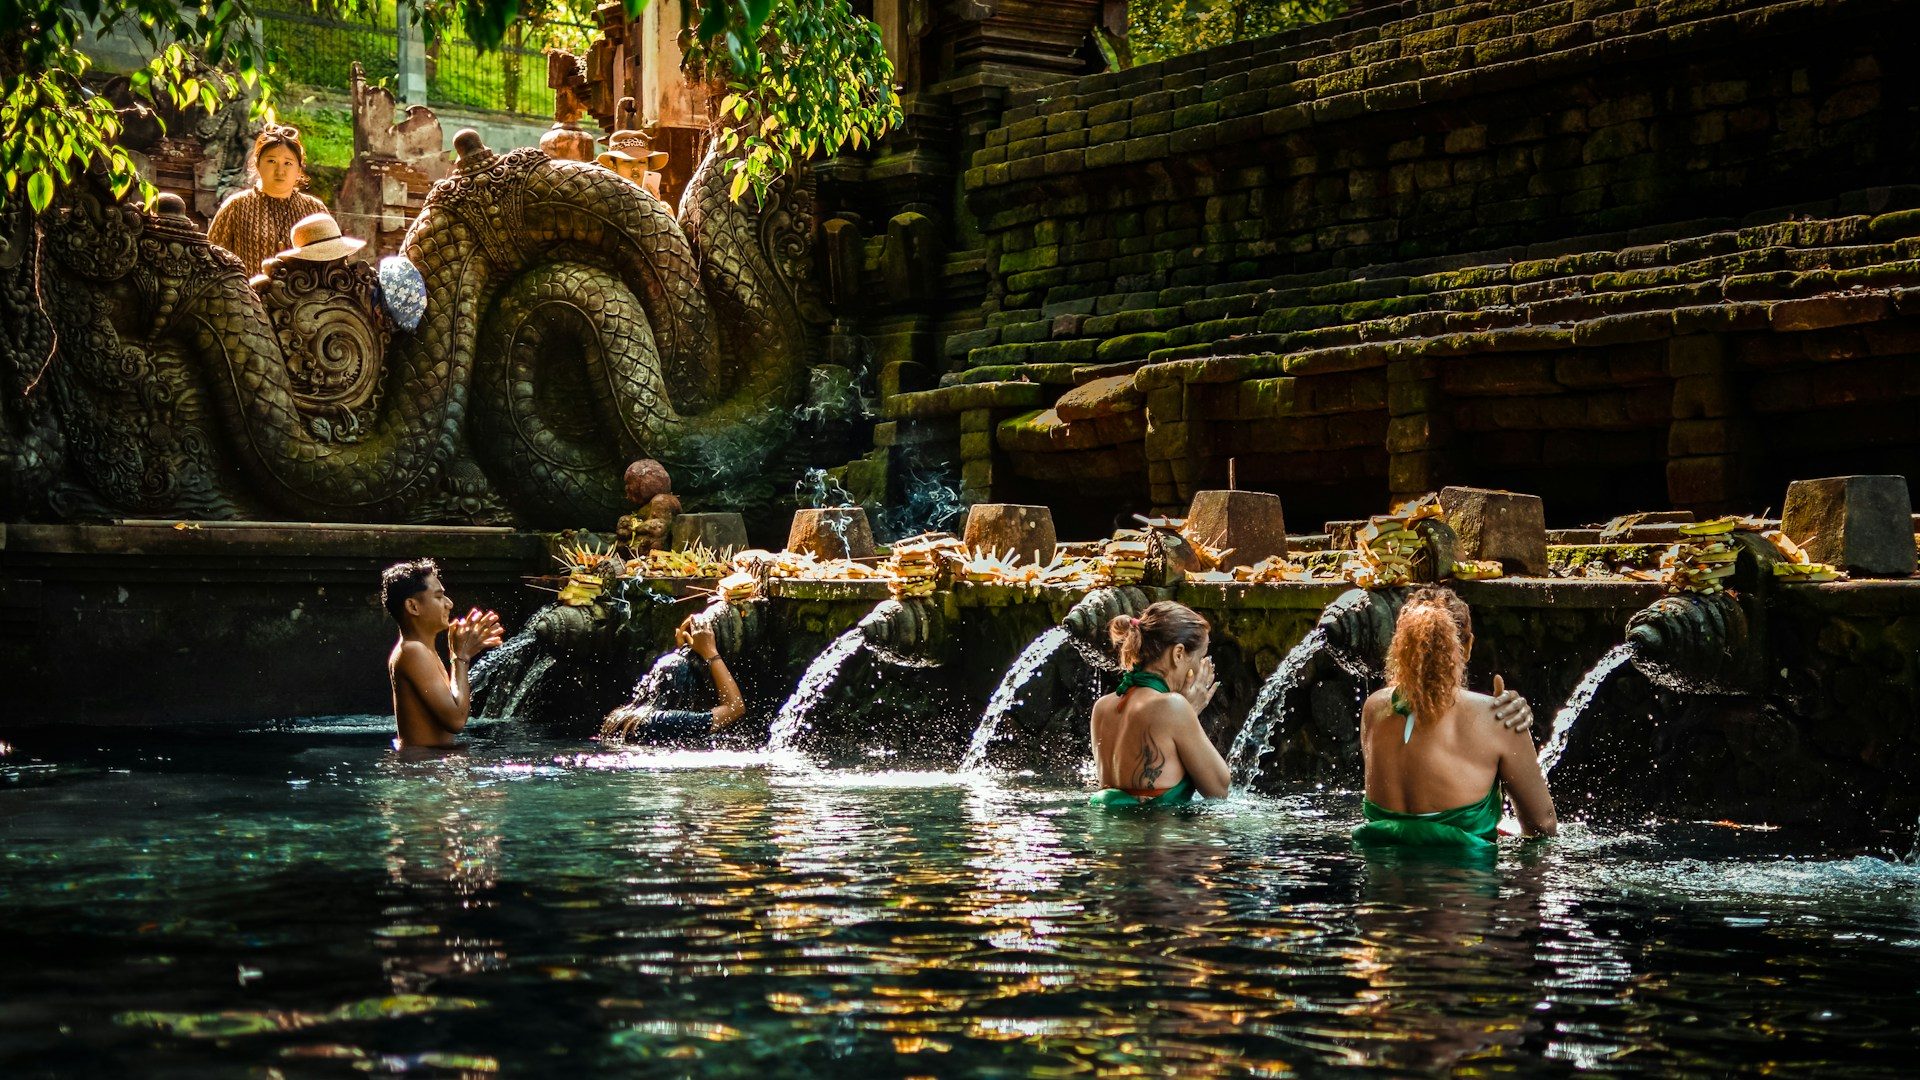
x: 1593, y: 249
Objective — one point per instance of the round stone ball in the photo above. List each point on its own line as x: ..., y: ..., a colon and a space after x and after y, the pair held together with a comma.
x: 645, y: 479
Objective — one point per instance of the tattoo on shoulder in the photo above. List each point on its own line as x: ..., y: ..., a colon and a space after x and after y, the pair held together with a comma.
x: 1152, y: 763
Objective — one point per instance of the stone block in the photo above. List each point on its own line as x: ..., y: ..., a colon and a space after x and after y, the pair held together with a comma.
x: 1101, y: 397
x: 715, y: 531
x: 1026, y: 530
x: 839, y: 532
x: 1499, y: 525
x: 1862, y: 524
x: 1248, y: 522
x: 976, y: 477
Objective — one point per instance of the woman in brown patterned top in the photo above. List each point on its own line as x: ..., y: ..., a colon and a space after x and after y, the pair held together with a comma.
x: 256, y: 223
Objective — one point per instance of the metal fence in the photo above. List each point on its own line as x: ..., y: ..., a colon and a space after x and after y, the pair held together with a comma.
x: 316, y: 51
x: 319, y: 52
x: 511, y: 78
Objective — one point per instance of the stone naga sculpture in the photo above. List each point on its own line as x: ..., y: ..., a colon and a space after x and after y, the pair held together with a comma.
x: 572, y: 324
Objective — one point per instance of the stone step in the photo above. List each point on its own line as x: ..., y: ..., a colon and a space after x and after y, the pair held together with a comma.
x: 1305, y: 313
x: 1205, y: 108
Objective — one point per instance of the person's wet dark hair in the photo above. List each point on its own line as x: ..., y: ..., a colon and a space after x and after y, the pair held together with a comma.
x: 683, y: 685
x: 401, y: 581
x: 1141, y: 641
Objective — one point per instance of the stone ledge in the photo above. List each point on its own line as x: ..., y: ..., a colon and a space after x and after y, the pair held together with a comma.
x: 950, y: 400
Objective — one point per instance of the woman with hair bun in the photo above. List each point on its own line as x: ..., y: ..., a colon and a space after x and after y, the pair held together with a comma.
x: 256, y: 222
x: 1147, y: 742
x: 1435, y: 752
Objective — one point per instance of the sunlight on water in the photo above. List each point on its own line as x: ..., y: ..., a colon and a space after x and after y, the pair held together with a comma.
x: 535, y: 907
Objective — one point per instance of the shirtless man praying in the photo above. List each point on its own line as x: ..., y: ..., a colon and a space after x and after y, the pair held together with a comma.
x: 430, y: 702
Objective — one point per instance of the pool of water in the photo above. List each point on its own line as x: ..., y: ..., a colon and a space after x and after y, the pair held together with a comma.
x: 300, y: 900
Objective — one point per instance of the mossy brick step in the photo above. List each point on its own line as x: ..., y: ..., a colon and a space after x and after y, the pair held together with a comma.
x: 1605, y: 303
x: 949, y: 400
x: 1394, y: 39
x: 1330, y: 304
x: 1044, y: 374
x: 1043, y: 431
x: 1433, y: 65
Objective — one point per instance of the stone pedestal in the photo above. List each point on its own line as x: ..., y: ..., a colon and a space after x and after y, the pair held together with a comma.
x: 1862, y: 524
x: 1499, y: 525
x: 716, y: 532
x: 1028, y: 530
x: 839, y: 532
x: 1249, y: 522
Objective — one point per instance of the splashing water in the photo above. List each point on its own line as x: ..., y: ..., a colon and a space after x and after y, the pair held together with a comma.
x: 1007, y: 696
x: 497, y: 675
x: 1256, y: 733
x: 1577, y: 703
x: 647, y: 694
x: 527, y: 682
x: 796, y: 713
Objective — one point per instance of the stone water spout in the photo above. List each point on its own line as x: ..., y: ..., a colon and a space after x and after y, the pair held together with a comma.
x: 1695, y: 644
x: 1359, y: 628
x: 1036, y: 717
x: 870, y: 685
x: 1351, y: 638
x: 1687, y: 644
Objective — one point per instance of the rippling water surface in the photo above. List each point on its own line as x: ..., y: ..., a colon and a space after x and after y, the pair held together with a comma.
x: 301, y: 900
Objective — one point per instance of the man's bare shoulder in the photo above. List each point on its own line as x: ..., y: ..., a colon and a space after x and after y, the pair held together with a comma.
x: 412, y: 660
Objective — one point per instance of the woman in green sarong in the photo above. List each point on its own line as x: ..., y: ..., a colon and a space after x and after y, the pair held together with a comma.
x: 1435, y: 753
x: 1147, y: 741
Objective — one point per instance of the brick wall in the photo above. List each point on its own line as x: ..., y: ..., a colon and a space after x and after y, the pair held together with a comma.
x: 1584, y: 247
x: 1446, y: 129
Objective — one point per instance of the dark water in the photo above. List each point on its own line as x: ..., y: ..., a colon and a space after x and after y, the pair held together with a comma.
x: 302, y: 903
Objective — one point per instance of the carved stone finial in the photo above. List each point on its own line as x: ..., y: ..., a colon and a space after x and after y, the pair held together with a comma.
x: 472, y: 151
x: 565, y: 141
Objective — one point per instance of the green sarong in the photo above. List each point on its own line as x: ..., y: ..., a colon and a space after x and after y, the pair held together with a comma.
x: 1473, y: 827
x: 1117, y: 799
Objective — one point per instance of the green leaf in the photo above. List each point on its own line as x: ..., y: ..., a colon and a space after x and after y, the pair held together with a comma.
x: 40, y: 192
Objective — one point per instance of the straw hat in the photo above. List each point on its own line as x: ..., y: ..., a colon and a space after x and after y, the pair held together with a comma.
x: 316, y: 238
x: 631, y: 145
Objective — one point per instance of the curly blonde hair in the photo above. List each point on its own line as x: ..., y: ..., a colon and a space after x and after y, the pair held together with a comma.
x: 1427, y: 661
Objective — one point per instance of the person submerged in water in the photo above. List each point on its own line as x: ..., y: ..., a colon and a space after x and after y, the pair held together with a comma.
x: 662, y: 723
x: 431, y: 700
x: 1148, y: 745
x: 1436, y: 753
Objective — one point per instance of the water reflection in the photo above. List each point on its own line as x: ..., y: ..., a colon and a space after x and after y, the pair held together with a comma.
x: 442, y: 848
x: 1447, y: 948
x: 542, y: 909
